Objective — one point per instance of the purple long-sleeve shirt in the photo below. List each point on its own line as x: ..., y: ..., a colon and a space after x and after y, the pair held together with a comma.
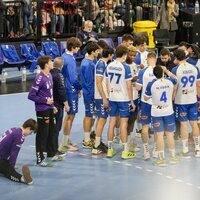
x: 10, y: 144
x: 41, y: 90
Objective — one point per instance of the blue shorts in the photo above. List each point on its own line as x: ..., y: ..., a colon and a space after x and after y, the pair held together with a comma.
x: 73, y: 103
x: 101, y: 111
x: 186, y: 112
x: 121, y: 109
x: 135, y: 112
x: 164, y: 124
x: 145, y: 113
x: 89, y: 108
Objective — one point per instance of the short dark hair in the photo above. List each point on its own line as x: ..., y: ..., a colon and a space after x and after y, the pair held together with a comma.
x: 43, y: 60
x: 164, y: 52
x: 121, y: 50
x: 185, y: 44
x: 107, y: 51
x: 151, y: 54
x: 32, y: 124
x: 102, y: 44
x: 91, y: 47
x: 127, y: 37
x: 73, y: 42
x: 158, y: 71
x: 179, y: 54
x: 139, y: 40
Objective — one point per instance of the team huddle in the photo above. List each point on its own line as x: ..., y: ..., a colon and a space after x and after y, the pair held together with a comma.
x: 126, y: 85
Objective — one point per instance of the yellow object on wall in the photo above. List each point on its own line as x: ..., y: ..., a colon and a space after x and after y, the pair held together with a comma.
x: 146, y: 26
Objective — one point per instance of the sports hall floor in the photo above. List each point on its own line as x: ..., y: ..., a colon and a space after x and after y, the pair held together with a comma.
x: 82, y: 176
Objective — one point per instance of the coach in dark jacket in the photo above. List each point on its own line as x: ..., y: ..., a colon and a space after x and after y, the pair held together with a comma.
x: 59, y: 94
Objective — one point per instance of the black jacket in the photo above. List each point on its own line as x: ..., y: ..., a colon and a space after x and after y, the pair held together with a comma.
x: 59, y: 89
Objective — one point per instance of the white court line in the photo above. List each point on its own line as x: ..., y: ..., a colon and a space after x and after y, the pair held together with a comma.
x: 179, y: 180
x: 169, y: 177
x: 159, y: 173
x: 116, y: 161
x: 149, y: 170
x: 128, y: 164
x: 32, y: 146
x: 189, y: 184
x: 138, y: 167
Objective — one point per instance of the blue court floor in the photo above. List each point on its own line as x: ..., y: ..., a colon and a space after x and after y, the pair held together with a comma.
x: 82, y: 176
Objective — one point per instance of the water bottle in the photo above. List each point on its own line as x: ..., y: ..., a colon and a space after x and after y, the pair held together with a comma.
x: 4, y: 76
x: 38, y: 70
x: 24, y: 74
x: 196, y: 7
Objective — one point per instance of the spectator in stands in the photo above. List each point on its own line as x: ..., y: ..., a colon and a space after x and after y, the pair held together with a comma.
x: 28, y: 17
x: 87, y: 35
x: 168, y: 13
x: 108, y: 10
x: 91, y: 9
x: 166, y: 59
x: 57, y: 17
x: 12, y: 22
x: 2, y: 18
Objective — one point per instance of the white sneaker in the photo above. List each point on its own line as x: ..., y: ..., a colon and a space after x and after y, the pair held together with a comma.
x: 197, y: 153
x: 133, y: 147
x: 155, y: 154
x: 146, y: 156
x: 57, y: 158
x: 173, y: 160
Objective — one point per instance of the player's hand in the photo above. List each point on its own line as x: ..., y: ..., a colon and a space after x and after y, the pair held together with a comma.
x: 132, y: 106
x: 105, y: 103
x: 49, y: 101
x: 55, y: 110
x: 67, y: 108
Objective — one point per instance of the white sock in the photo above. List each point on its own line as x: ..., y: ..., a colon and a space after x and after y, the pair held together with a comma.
x: 97, y: 141
x: 185, y: 146
x: 146, y: 148
x: 196, y: 143
x: 125, y: 147
x: 110, y: 145
x: 172, y: 152
x: 86, y: 136
x: 161, y: 155
x: 117, y: 131
x: 64, y: 140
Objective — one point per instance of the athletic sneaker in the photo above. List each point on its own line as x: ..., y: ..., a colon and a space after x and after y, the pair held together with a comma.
x: 111, y: 153
x: 197, y: 154
x: 70, y: 142
x: 133, y: 147
x: 61, y: 153
x: 57, y: 158
x: 146, y: 156
x: 184, y: 155
x: 63, y: 149
x: 116, y: 139
x: 100, y: 149
x: 160, y: 162
x: 154, y: 154
x: 173, y: 160
x: 88, y: 145
x: 46, y: 163
x: 128, y: 155
x: 27, y: 175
